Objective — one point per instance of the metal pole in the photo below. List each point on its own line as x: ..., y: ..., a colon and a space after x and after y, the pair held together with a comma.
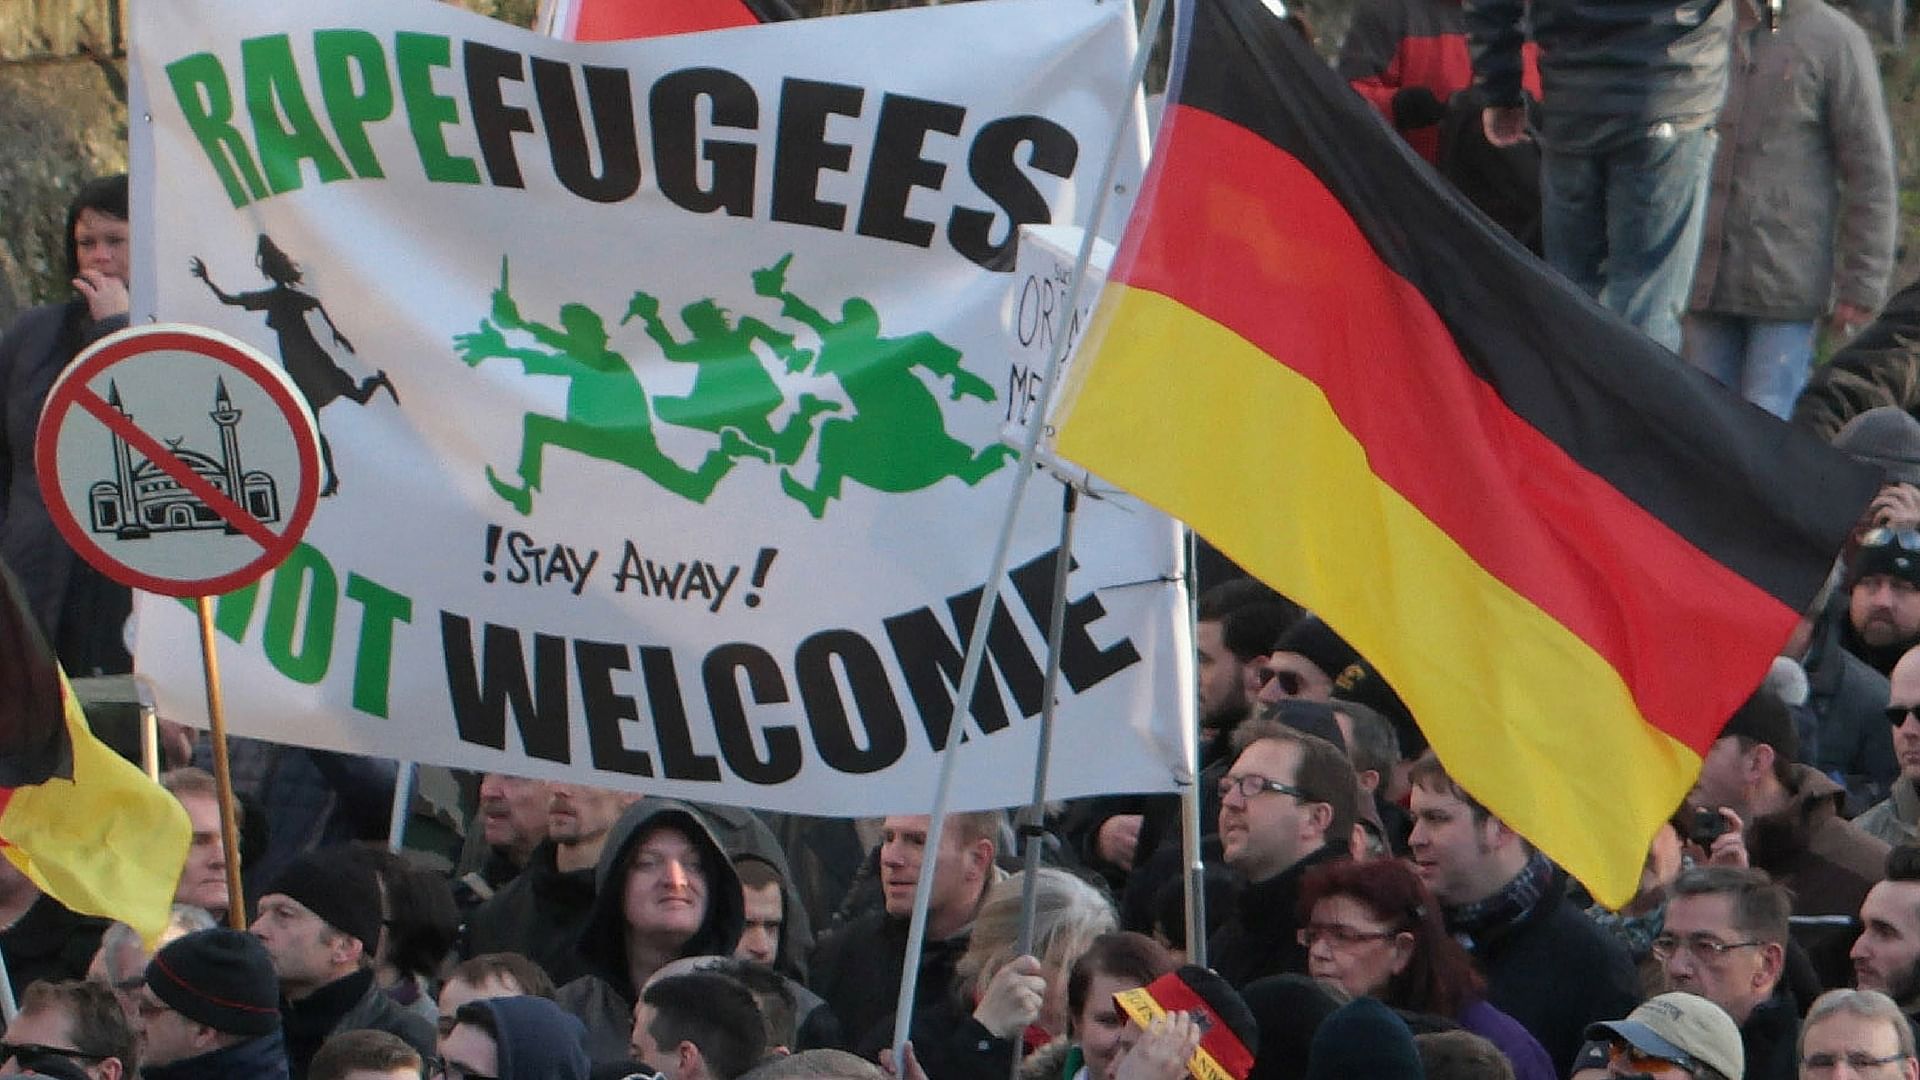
x: 150, y: 742
x: 1023, y: 475
x: 9, y: 1009
x: 402, y: 803
x: 222, y: 773
x: 1031, y: 830
x: 1190, y: 824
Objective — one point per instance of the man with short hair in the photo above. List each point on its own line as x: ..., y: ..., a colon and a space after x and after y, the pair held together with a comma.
x: 665, y: 889
x: 1896, y: 819
x: 1725, y: 939
x: 540, y: 913
x: 857, y: 968
x: 122, y: 960
x: 701, y: 1026
x: 1861, y: 1031
x: 514, y: 1038
x: 512, y: 822
x: 1883, y: 598
x: 320, y: 923
x: 1790, y: 812
x: 763, y: 906
x: 1507, y: 903
x: 1374, y: 748
x: 365, y: 1055
x: 1287, y: 804
x: 210, y: 1010
x: 1886, y: 956
x: 490, y: 975
x: 70, y: 1030
x: 203, y: 880
x: 1673, y: 1036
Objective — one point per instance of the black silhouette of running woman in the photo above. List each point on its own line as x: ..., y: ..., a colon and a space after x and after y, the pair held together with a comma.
x: 313, y: 370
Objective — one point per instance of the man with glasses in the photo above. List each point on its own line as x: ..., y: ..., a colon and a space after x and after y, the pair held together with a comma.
x: 512, y: 1038
x: 1287, y: 803
x: 1676, y: 1036
x: 1896, y: 819
x: 69, y: 1030
x: 1726, y: 940
x: 1546, y: 964
x: 1856, y: 1033
x: 210, y: 1010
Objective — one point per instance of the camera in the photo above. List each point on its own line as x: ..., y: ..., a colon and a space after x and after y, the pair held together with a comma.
x: 1705, y: 826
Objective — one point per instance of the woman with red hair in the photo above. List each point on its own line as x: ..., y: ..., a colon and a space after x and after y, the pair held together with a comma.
x: 1372, y: 929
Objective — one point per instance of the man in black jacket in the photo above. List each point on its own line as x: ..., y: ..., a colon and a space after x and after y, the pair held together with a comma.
x: 320, y: 922
x: 1546, y: 964
x: 1630, y: 91
x: 540, y: 913
x: 1288, y: 802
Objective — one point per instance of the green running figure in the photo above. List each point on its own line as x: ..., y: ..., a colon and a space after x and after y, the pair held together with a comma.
x: 731, y: 389
x: 607, y: 411
x: 896, y: 440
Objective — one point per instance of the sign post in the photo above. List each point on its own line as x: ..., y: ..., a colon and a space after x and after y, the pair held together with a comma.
x: 182, y: 462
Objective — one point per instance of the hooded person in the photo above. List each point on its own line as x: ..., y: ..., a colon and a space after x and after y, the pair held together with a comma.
x: 664, y: 889
x: 521, y: 1038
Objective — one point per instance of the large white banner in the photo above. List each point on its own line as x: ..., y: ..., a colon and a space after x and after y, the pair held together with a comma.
x: 661, y: 386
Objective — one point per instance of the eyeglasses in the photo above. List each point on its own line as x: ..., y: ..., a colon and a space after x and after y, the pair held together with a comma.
x: 439, y: 1068
x: 1856, y: 1060
x: 34, y: 1057
x: 1904, y: 539
x: 1291, y: 684
x: 1703, y: 948
x: 1897, y: 714
x: 1251, y: 784
x: 1341, y: 936
x: 1643, y: 1064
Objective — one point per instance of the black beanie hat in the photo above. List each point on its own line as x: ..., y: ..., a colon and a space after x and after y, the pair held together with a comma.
x: 1316, y: 641
x: 1363, y: 1040
x: 221, y: 978
x: 340, y: 888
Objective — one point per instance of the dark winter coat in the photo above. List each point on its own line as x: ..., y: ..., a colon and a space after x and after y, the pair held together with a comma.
x: 539, y: 914
x: 604, y: 997
x: 856, y: 969
x: 1556, y: 972
x: 264, y: 1058
x: 355, y: 1003
x: 1261, y: 936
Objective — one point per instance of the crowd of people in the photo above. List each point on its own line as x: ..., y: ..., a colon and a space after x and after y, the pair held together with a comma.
x: 1717, y: 171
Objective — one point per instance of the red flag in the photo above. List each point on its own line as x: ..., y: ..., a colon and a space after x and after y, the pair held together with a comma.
x: 619, y: 20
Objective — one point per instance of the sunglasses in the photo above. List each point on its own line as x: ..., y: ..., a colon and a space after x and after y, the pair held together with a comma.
x: 56, y: 1061
x: 1897, y: 714
x: 1883, y: 537
x: 1290, y: 682
x: 1644, y: 1064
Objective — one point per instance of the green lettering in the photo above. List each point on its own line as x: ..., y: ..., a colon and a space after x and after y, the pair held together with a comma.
x: 417, y: 55
x: 381, y: 607
x: 346, y: 59
x: 206, y: 101
x: 308, y: 663
x: 274, y: 91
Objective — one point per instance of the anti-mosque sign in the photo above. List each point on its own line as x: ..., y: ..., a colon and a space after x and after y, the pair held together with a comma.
x: 660, y: 386
x: 177, y: 460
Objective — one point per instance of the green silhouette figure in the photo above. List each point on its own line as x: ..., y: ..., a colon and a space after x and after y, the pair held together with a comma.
x: 731, y: 389
x: 897, y: 440
x: 607, y: 412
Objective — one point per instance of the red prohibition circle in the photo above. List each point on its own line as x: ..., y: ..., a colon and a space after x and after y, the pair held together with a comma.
x: 257, y: 370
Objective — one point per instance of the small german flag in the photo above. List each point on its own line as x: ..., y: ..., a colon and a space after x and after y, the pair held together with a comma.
x: 1571, y: 555
x: 86, y: 826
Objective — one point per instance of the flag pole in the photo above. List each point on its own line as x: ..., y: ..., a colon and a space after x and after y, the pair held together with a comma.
x: 1031, y: 827
x: 402, y: 802
x: 1190, y: 824
x: 222, y: 773
x: 1003, y: 548
x: 9, y: 1009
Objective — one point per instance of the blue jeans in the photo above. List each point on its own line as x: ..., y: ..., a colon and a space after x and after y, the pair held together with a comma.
x: 1625, y: 224
x: 1762, y: 360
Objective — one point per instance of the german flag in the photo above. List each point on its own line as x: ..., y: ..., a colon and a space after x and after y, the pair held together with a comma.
x: 622, y: 20
x: 86, y: 826
x: 1572, y: 556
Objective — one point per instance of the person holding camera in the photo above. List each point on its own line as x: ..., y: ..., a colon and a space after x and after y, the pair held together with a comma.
x: 1788, y: 814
